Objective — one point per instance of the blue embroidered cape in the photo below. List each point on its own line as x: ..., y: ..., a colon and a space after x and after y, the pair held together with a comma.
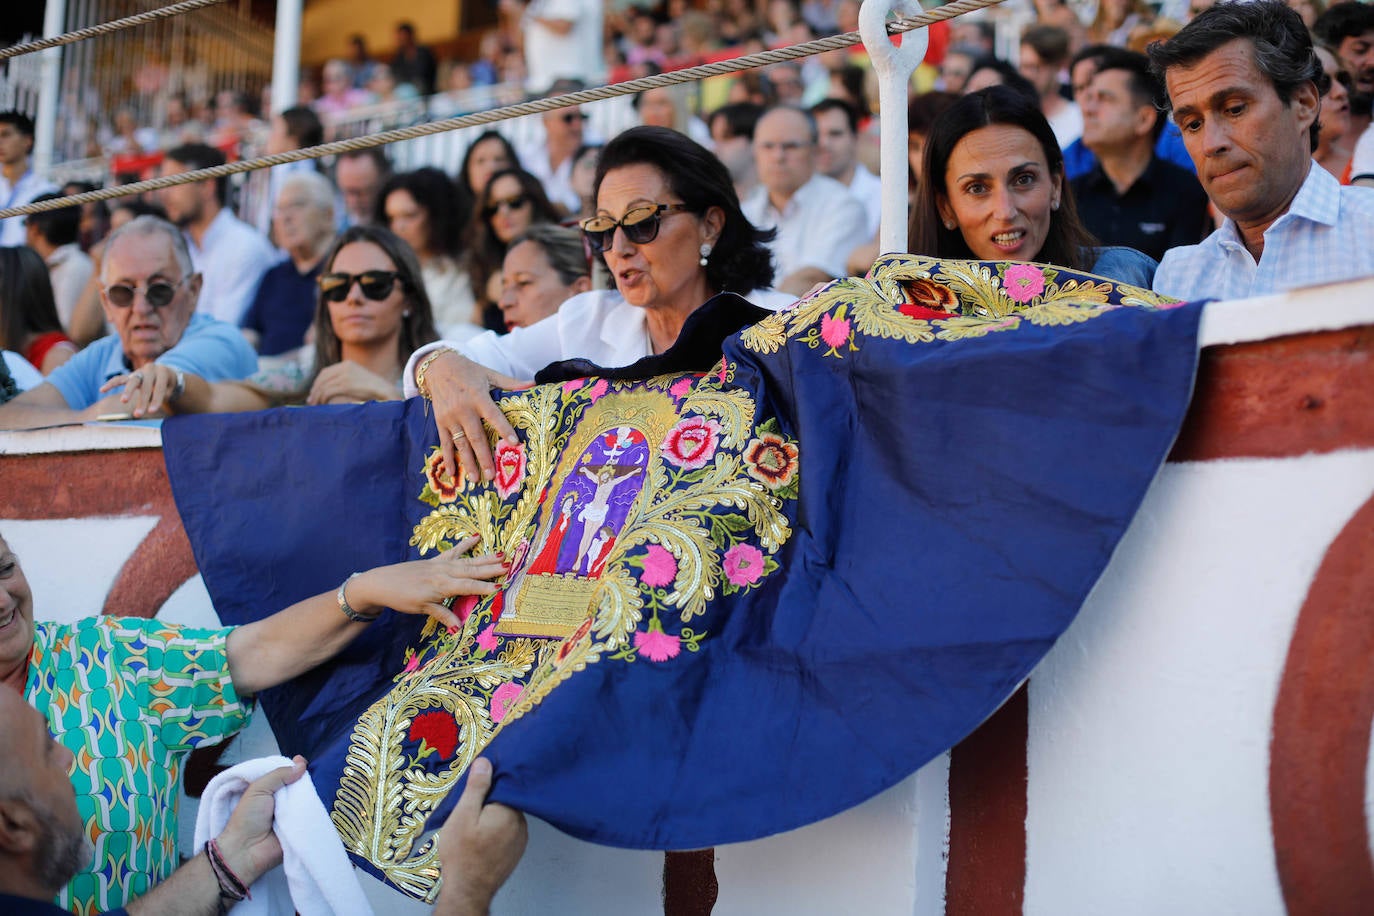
x: 742, y: 600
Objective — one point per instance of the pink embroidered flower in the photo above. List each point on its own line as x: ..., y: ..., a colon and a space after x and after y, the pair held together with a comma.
x: 722, y: 371
x: 834, y: 331
x: 437, y: 731
x: 680, y: 388
x: 656, y: 645
x: 444, y: 486
x: 463, y: 608
x: 412, y: 662
x: 743, y: 564
x: 502, y: 698
x: 660, y: 567
x: 510, y: 467
x: 771, y: 460
x: 486, y: 640
x: 598, y: 390
x: 691, y: 443
x: 573, y: 384
x: 1023, y: 282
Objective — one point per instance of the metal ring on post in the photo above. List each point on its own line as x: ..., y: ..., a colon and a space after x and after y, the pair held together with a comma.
x: 893, y: 66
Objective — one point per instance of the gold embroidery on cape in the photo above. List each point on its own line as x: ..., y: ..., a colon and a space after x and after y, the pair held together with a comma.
x: 872, y: 303
x: 384, y: 796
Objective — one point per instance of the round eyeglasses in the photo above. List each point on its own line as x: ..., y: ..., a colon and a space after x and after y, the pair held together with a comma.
x: 158, y: 293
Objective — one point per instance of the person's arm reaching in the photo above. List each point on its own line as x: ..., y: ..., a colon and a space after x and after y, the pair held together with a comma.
x: 268, y: 652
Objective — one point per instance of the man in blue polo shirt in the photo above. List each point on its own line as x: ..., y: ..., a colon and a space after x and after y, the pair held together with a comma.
x: 149, y: 291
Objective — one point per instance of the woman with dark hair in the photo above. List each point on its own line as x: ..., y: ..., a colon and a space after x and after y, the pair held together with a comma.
x: 422, y: 207
x: 989, y: 71
x: 489, y: 153
x: 669, y: 227
x: 512, y: 201
x: 993, y: 189
x: 372, y: 312
x: 29, y: 324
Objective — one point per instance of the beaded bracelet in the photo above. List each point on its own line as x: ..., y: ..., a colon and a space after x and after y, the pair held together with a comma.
x: 231, y: 886
x: 421, y: 369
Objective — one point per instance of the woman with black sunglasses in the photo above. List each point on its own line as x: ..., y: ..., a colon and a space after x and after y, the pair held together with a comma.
x: 669, y: 227
x: 372, y: 312
x: 512, y: 201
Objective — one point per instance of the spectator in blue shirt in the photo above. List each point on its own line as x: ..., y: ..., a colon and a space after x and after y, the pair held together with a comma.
x: 284, y: 304
x: 148, y: 290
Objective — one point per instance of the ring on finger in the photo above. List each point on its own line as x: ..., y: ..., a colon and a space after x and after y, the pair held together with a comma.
x: 137, y: 376
x: 458, y: 435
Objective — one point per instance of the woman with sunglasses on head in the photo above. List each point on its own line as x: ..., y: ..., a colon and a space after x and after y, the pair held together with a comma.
x: 422, y: 207
x: 372, y: 312
x: 669, y: 226
x: 512, y: 201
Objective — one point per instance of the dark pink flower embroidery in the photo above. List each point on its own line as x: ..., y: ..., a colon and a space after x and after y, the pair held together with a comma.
x: 502, y: 698
x: 1023, y: 282
x: 743, y: 564
x: 656, y: 645
x: 597, y: 390
x: 437, y: 732
x: 691, y: 443
x: 834, y: 331
x: 660, y: 567
x: 510, y: 467
x: 486, y: 639
x: 680, y: 388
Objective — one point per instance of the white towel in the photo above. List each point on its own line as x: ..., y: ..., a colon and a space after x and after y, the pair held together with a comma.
x: 316, y: 877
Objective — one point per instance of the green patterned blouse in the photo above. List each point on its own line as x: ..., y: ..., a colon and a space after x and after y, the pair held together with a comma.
x: 130, y: 698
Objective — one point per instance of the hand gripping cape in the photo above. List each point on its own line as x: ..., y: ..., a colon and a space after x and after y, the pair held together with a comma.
x: 742, y: 600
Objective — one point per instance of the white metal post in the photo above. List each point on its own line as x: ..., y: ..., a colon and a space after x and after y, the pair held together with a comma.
x: 45, y: 124
x: 286, y: 55
x: 893, y: 66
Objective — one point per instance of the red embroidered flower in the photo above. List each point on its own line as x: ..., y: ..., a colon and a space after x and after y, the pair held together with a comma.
x: 743, y: 564
x: 436, y: 731
x: 928, y: 299
x: 510, y: 467
x: 660, y: 567
x: 656, y: 645
x: 771, y: 460
x: 1023, y: 282
x: 834, y: 331
x: 444, y: 486
x: 502, y: 698
x: 691, y: 443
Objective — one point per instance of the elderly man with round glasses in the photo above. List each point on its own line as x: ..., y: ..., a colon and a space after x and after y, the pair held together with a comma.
x: 148, y: 290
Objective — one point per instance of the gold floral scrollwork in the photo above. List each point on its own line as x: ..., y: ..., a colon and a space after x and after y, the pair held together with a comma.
x: 689, y: 490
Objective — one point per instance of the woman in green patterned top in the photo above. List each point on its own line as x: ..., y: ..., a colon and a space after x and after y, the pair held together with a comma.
x: 372, y: 313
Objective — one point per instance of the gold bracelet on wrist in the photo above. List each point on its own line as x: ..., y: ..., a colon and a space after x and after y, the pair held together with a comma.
x: 423, y: 368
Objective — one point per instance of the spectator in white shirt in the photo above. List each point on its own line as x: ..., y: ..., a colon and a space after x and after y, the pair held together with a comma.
x: 19, y: 184
x: 552, y: 161
x: 230, y: 254
x: 817, y: 219
x: 562, y: 40
x: 1044, y: 54
x: 53, y: 235
x: 837, y: 155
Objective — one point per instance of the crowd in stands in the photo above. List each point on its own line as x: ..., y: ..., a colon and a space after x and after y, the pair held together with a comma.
x: 1215, y: 151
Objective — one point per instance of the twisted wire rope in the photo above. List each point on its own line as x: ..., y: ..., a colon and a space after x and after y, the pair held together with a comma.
x: 535, y: 106
x: 105, y: 28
